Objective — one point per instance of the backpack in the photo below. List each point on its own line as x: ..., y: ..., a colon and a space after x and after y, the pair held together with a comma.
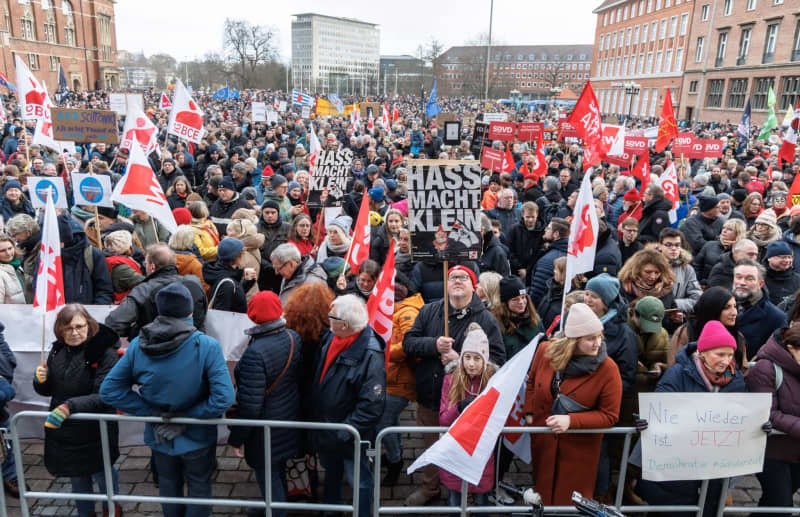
x: 778, y: 376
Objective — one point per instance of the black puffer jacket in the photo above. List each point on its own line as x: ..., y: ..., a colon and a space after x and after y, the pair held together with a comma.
x: 524, y: 245
x: 84, y: 284
x: 230, y: 295
x: 420, y: 343
x: 709, y: 256
x: 74, y: 375
x: 494, y: 257
x: 260, y: 366
x: 700, y: 229
x: 622, y: 346
x: 655, y: 217
x: 221, y: 211
x: 781, y: 284
x: 722, y: 272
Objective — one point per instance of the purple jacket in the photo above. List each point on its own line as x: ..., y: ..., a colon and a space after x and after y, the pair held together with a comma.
x: 785, y: 413
x: 447, y: 415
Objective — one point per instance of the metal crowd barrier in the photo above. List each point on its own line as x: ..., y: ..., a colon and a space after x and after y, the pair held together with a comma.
x: 111, y: 498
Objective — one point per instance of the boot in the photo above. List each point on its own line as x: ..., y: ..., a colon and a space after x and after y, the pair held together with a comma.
x: 392, y: 473
x: 117, y: 511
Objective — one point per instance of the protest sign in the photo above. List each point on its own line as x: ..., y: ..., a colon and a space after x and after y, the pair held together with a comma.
x: 92, y: 189
x: 305, y: 112
x: 682, y: 145
x: 369, y: 109
x: 40, y: 186
x: 502, y: 131
x: 530, y: 131
x: 117, y: 104
x: 480, y: 138
x: 693, y: 436
x: 635, y: 145
x: 272, y: 116
x: 492, y: 159
x: 134, y: 100
x: 623, y: 160
x: 443, y: 117
x: 697, y: 149
x: 282, y: 106
x: 259, y: 112
x: 495, y: 117
x: 74, y: 125
x: 452, y: 132
x: 712, y: 148
x: 328, y: 183
x: 444, y: 209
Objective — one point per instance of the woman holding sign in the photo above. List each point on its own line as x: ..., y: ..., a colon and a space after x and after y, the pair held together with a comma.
x: 572, y: 384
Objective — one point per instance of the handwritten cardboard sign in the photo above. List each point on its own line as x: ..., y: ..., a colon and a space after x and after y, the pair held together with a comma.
x: 94, y: 126
x: 692, y: 436
x: 529, y: 131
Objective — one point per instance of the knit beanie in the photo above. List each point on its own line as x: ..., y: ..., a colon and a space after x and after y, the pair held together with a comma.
x: 511, y: 287
x: 343, y: 222
x: 277, y: 181
x: 767, y: 217
x: 107, y: 211
x: 715, y: 335
x: 118, y: 241
x: 174, y: 300
x: 377, y: 194
x: 182, y: 216
x: 582, y: 321
x: 271, y: 203
x: 778, y: 248
x: 606, y: 287
x: 466, y: 270
x: 294, y: 185
x: 632, y: 196
x: 476, y: 342
x: 334, y: 266
x: 229, y: 248
x: 707, y: 202
x: 12, y: 183
x: 264, y: 307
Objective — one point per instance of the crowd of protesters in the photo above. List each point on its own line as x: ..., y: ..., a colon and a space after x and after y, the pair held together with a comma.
x: 704, y: 302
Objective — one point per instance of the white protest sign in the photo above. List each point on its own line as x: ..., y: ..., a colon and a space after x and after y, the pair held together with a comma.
x: 305, y: 112
x: 282, y: 106
x: 134, y: 100
x: 259, y: 112
x: 495, y: 117
x: 272, y: 116
x: 116, y: 103
x: 91, y: 189
x: 693, y: 436
x: 39, y: 186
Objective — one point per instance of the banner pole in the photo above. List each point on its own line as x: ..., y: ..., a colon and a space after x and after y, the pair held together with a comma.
x: 44, y: 322
x: 446, y: 301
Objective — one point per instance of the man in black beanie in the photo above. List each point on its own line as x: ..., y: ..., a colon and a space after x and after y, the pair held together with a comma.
x: 705, y: 225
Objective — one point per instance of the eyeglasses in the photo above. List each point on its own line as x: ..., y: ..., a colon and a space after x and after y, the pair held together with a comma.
x: 76, y: 328
x: 671, y: 245
x: 460, y: 278
x: 335, y: 318
x: 279, y: 268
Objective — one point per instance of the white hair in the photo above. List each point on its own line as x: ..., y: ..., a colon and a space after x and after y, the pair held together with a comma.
x: 352, y: 310
x: 285, y: 252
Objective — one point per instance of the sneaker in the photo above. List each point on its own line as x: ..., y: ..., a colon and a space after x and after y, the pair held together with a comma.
x: 420, y: 498
x: 500, y: 497
x: 11, y: 487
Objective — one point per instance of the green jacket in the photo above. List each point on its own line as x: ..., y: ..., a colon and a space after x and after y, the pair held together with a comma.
x: 520, y: 338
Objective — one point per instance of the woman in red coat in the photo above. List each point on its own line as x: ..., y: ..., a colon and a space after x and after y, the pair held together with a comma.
x: 576, y: 367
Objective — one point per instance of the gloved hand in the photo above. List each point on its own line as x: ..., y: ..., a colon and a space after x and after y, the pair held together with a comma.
x: 165, y: 433
x: 464, y: 403
x: 767, y: 427
x: 41, y: 374
x: 57, y: 416
x: 640, y: 423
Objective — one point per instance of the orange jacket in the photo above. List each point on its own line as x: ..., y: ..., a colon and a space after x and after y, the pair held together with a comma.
x: 400, y: 378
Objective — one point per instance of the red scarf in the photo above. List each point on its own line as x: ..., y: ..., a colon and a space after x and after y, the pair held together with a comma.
x: 337, y: 346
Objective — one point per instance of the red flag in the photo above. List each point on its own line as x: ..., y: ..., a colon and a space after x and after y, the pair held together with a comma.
x: 359, y: 246
x: 164, y: 103
x: 395, y: 114
x: 642, y: 170
x: 386, y: 120
x: 508, y: 162
x: 786, y: 153
x: 587, y: 121
x: 49, y: 294
x: 541, y: 162
x: 380, y: 305
x: 794, y: 191
x: 667, y: 126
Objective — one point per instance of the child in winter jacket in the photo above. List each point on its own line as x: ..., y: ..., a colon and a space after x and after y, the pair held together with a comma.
x: 459, y: 389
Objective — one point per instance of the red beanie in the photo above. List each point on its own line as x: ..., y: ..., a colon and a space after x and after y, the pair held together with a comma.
x: 182, y: 216
x: 715, y: 335
x: 467, y: 270
x: 265, y: 306
x: 632, y: 195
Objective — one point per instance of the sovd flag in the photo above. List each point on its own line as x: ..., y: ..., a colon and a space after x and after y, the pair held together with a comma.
x: 32, y: 94
x: 380, y: 305
x: 186, y: 117
x: 786, y: 152
x: 164, y: 103
x: 772, y: 121
x: 43, y: 133
x: 314, y: 149
x: 582, y: 234
x: 668, y: 182
x: 613, y: 140
x: 466, y: 447
x: 642, y: 170
x: 667, y: 125
x: 587, y: 121
x: 140, y: 129
x: 359, y: 246
x: 49, y: 293
x: 139, y: 190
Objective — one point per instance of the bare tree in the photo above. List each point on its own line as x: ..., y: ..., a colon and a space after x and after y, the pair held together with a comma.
x: 164, y: 66
x: 247, y: 47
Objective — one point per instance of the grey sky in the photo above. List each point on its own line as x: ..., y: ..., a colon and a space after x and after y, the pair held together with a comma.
x: 189, y: 28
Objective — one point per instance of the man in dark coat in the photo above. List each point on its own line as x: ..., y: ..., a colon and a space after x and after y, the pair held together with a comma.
x: 494, y: 257
x: 607, y: 258
x: 86, y: 277
x: 655, y: 214
x: 758, y: 317
x: 722, y: 273
x: 525, y: 240
x: 781, y: 279
x: 229, y: 201
x: 349, y: 387
x: 426, y: 344
x: 704, y: 226
x: 556, y: 233
x: 426, y: 277
x: 276, y: 232
x: 506, y: 210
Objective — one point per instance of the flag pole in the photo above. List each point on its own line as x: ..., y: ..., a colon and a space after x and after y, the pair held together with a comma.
x: 44, y: 322
x: 446, y: 301
x: 155, y: 231
x: 96, y: 215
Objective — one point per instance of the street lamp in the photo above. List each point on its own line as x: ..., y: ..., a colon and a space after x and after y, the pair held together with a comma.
x: 631, y: 89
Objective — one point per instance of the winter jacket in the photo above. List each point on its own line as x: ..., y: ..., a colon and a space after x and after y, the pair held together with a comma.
x: 379, y: 244
x: 307, y: 271
x: 494, y: 257
x: 686, y: 289
x: 139, y: 308
x: 564, y: 463
x: 125, y: 274
x: 188, y: 264
x: 710, y: 255
x: 427, y: 279
x: 206, y: 239
x: 23, y: 206
x: 448, y: 412
x: 180, y: 371
x: 785, y: 412
x: 699, y: 230
x: 274, y: 235
x: 544, y: 268
x: 788, y: 236
x: 651, y: 349
x: 353, y: 391
x: 523, y: 244
x: 758, y: 322
x: 655, y: 217
x: 150, y: 231
x: 400, y: 373
x: 260, y: 366
x: 781, y: 284
x: 252, y: 258
x: 626, y: 252
x: 549, y: 305
x: 607, y: 258
x: 420, y: 343
x: 520, y: 337
x: 11, y: 280
x: 74, y: 377
x: 722, y: 273
x: 621, y: 346
x: 89, y: 284
x: 221, y: 211
x: 507, y: 217
x: 226, y: 291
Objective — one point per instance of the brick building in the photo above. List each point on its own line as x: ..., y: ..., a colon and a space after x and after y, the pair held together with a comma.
x: 78, y: 34
x: 738, y: 49
x: 535, y: 71
x: 639, y: 54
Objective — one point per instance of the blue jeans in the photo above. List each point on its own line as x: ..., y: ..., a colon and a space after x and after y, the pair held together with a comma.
x: 278, y: 484
x: 9, y: 467
x: 454, y: 499
x: 391, y: 417
x: 337, y: 466
x: 193, y: 468
x: 85, y: 485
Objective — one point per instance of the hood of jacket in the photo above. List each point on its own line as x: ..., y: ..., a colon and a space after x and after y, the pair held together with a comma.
x: 657, y: 204
x: 164, y: 335
x: 252, y: 242
x: 72, y: 252
x: 775, y: 351
x: 788, y: 236
x: 270, y: 327
x: 560, y: 245
x: 414, y: 301
x: 213, y: 272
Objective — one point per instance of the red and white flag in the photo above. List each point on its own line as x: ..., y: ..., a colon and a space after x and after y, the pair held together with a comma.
x: 359, y: 246
x: 588, y: 123
x: 508, y: 162
x: 49, y: 293
x: 31, y: 93
x: 668, y: 182
x: 164, y: 103
x: 355, y: 117
x: 186, y: 117
x: 380, y: 305
x: 468, y: 444
x: 613, y: 140
x: 582, y: 234
x: 518, y: 443
x: 786, y: 152
x: 541, y: 161
x: 139, y: 190
x: 43, y: 133
x: 642, y: 170
x: 139, y: 128
x: 395, y: 114
x: 370, y: 123
x: 314, y: 149
x: 3, y: 115
x: 386, y: 119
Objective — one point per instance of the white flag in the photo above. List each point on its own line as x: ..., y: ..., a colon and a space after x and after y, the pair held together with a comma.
x: 139, y: 128
x: 582, y: 234
x: 668, y: 181
x: 186, y: 117
x: 467, y: 445
x: 31, y: 93
x: 314, y: 149
x: 49, y: 289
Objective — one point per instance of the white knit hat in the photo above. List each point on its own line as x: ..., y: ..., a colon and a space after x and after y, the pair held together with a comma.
x: 582, y: 321
x: 476, y: 342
